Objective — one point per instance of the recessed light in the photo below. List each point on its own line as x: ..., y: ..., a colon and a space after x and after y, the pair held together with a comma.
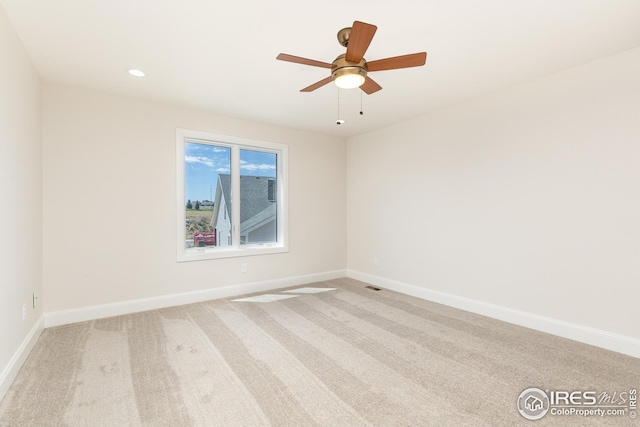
x: 136, y: 73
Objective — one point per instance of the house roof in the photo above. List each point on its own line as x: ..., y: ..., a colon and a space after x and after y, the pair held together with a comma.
x: 253, y: 197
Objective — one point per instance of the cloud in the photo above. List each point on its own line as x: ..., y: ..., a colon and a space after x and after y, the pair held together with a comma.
x: 222, y: 170
x: 255, y: 166
x: 199, y: 159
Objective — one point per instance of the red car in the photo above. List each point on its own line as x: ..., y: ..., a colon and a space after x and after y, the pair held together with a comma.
x: 207, y: 238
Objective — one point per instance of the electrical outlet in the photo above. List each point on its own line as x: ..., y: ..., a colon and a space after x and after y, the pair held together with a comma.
x: 244, y: 267
x: 376, y: 262
x: 24, y: 311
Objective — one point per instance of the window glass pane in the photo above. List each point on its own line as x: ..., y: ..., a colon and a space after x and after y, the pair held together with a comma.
x: 258, y: 203
x: 207, y: 195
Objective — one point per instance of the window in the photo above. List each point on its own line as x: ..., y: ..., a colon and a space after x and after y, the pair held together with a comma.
x: 271, y: 190
x: 231, y: 196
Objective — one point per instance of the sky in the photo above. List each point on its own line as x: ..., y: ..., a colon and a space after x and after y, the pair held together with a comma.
x: 203, y: 163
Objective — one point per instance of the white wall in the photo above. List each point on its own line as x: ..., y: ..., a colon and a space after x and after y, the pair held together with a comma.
x: 528, y: 199
x: 20, y: 199
x: 110, y: 211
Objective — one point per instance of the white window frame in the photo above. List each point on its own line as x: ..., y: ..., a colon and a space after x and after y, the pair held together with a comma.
x: 235, y: 144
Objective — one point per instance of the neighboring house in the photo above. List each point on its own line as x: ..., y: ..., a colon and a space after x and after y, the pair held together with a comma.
x: 206, y: 204
x: 257, y: 212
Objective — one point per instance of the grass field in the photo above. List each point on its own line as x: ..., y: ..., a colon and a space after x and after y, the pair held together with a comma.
x: 202, y: 213
x: 198, y: 220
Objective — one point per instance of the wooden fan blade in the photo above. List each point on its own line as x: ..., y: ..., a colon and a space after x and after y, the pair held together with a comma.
x: 359, y: 40
x: 303, y: 61
x: 369, y: 86
x: 404, y: 61
x: 317, y: 85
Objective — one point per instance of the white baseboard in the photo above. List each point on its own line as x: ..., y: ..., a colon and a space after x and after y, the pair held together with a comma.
x: 20, y: 356
x: 610, y: 341
x: 65, y: 317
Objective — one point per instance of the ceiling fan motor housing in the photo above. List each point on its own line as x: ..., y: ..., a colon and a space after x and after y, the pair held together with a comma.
x: 341, y: 67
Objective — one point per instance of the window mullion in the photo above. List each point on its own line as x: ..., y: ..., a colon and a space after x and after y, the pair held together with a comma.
x: 235, y: 196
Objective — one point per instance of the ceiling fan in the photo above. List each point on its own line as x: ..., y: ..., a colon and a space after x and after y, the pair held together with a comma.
x: 350, y: 69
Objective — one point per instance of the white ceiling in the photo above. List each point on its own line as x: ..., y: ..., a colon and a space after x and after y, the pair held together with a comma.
x: 219, y: 55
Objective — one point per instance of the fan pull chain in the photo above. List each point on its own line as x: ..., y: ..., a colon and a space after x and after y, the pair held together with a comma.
x: 339, y: 121
x: 361, y: 113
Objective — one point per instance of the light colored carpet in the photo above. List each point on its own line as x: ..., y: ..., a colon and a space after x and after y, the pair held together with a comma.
x: 346, y: 357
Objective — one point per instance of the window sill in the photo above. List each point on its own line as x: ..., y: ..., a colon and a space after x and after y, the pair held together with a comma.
x: 200, y: 254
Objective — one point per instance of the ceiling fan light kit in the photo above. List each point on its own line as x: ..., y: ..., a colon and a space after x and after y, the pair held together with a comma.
x: 346, y: 78
x: 347, y: 74
x: 349, y: 70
